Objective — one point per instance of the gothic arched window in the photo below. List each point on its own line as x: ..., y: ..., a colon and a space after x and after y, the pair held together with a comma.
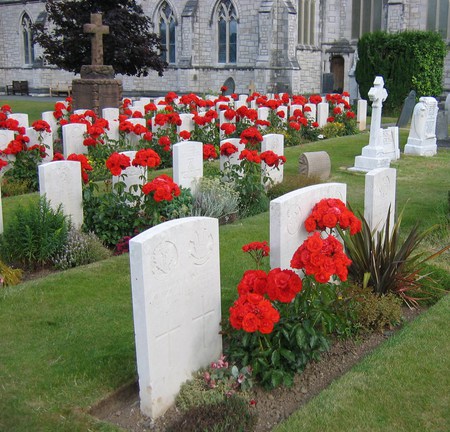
x: 27, y: 40
x: 306, y: 22
x: 367, y: 16
x: 227, y: 31
x: 438, y: 17
x: 167, y: 32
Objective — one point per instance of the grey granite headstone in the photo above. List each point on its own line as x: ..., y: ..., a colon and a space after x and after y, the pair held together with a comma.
x: 230, y: 85
x: 442, y: 123
x: 327, y: 83
x: 408, y: 107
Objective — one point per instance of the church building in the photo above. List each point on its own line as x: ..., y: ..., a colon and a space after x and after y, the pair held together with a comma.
x: 296, y: 46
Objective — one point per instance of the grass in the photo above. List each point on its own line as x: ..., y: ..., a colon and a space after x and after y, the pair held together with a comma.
x: 34, y: 109
x: 403, y: 386
x: 67, y: 339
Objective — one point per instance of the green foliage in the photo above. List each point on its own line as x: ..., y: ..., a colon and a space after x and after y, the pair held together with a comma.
x: 374, y: 312
x: 301, y: 335
x: 290, y: 183
x: 214, y: 198
x: 386, y: 262
x: 25, y: 171
x: 110, y: 215
x: 34, y: 235
x: 80, y: 249
x: 231, y: 414
x: 333, y: 130
x: 179, y: 207
x: 409, y: 60
x: 214, y: 384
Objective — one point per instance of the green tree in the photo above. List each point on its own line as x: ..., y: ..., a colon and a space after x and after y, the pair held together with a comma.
x: 410, y: 60
x: 130, y: 47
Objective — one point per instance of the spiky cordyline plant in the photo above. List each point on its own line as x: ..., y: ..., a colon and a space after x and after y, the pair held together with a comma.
x: 386, y: 263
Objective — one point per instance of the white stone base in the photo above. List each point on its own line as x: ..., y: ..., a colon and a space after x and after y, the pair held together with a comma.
x: 365, y: 164
x: 419, y: 147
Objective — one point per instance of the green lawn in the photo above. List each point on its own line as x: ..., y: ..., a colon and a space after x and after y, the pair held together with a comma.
x: 67, y: 339
x: 403, y: 386
x: 34, y: 108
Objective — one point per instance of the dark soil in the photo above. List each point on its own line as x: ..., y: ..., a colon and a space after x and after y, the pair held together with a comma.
x: 122, y: 407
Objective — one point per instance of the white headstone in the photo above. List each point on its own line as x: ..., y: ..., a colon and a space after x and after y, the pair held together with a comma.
x: 263, y: 113
x: 391, y: 143
x: 132, y: 138
x: 187, y: 123
x: 234, y: 158
x: 110, y: 114
x: 275, y: 143
x: 50, y: 119
x: 373, y: 155
x: 80, y: 111
x: 283, y: 109
x: 361, y: 114
x: 422, y: 135
x: 6, y: 136
x: 379, y: 196
x: 46, y: 140
x: 187, y: 163
x: 323, y: 110
x: 73, y: 137
x: 133, y: 175
x: 311, y: 115
x: 243, y: 98
x: 175, y: 279
x: 61, y: 183
x: 288, y: 214
x: 21, y: 118
x: 293, y: 108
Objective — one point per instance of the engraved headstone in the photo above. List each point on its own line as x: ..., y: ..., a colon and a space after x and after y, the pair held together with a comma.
x: 391, y: 143
x: 275, y: 143
x: 41, y: 138
x: 21, y: 118
x: 50, y: 119
x: 422, y: 135
x: 315, y: 164
x: 379, y: 197
x: 361, y: 114
x: 188, y: 164
x: 175, y: 279
x: 61, y: 183
x: 407, y: 109
x: 323, y: 110
x: 288, y: 214
x: 112, y: 116
x: 234, y: 158
x: 132, y: 175
x: 73, y: 137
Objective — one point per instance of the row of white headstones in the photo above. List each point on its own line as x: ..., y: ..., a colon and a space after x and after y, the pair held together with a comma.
x: 59, y: 181
x: 175, y: 277
x: 175, y: 269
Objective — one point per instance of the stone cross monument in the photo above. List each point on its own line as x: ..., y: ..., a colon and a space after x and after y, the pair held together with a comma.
x: 98, y: 30
x: 374, y: 155
x: 97, y: 88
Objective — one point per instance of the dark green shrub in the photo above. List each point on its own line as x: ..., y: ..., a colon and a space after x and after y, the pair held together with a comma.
x: 410, y: 60
x: 231, y: 414
x: 373, y: 312
x: 34, y: 235
x: 110, y: 215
